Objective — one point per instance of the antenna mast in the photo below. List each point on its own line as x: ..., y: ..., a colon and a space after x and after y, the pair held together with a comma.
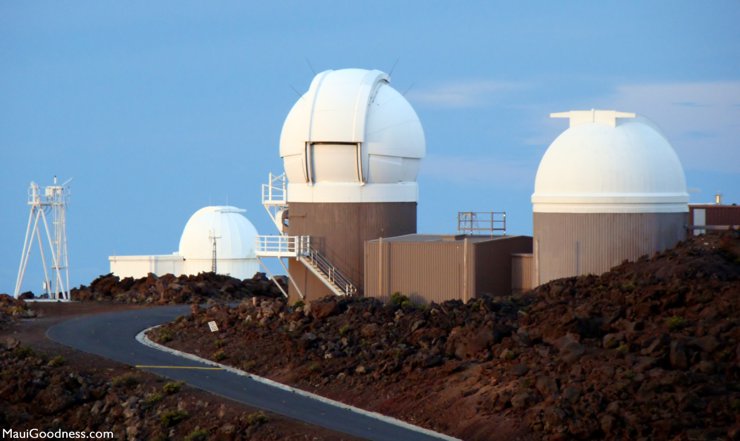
x: 213, y: 239
x: 52, y: 203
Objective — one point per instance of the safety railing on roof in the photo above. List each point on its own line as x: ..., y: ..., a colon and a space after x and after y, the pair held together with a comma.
x: 275, y: 192
x: 481, y: 222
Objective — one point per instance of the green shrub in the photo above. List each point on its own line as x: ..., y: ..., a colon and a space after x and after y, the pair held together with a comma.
x: 23, y: 352
x: 197, y: 435
x: 344, y: 329
x: 256, y: 419
x: 172, y: 387
x: 248, y: 365
x: 314, y: 366
x: 165, y: 335
x: 153, y: 398
x: 299, y: 304
x: 172, y: 417
x: 398, y: 299
x: 126, y: 380
x: 219, y: 355
x: 675, y: 323
x: 56, y: 361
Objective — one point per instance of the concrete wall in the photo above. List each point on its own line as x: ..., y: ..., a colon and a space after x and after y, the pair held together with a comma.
x: 339, y: 231
x: 139, y: 266
x: 572, y: 244
x: 238, y: 268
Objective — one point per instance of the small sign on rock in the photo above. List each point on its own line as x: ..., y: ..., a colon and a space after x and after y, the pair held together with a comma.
x: 213, y: 326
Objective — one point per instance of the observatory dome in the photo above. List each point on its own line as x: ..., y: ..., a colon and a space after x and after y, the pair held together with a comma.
x: 235, y: 235
x: 609, y: 162
x: 352, y: 138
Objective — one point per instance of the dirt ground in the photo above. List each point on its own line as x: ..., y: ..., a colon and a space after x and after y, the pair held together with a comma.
x: 52, y: 386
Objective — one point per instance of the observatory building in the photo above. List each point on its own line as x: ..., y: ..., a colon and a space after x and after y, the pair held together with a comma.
x: 351, y: 149
x: 609, y: 188
x: 217, y: 238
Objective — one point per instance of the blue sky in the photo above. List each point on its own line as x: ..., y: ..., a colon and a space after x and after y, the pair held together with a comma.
x: 159, y: 108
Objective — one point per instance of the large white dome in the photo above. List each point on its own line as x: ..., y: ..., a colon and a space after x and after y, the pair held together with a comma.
x: 235, y: 235
x: 352, y: 138
x: 609, y: 162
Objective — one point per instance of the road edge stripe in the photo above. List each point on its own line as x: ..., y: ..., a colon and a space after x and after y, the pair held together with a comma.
x: 143, y: 339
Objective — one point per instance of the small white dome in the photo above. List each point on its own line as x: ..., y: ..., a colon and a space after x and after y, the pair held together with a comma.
x: 235, y: 235
x: 352, y: 138
x: 609, y: 162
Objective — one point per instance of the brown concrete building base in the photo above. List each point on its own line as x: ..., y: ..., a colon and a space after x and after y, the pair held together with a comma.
x: 339, y: 231
x: 573, y: 244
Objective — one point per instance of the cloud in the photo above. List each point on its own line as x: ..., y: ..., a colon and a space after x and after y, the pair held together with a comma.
x: 462, y: 94
x: 700, y: 119
x: 471, y: 170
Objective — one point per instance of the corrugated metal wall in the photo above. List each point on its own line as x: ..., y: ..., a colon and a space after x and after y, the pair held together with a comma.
x: 493, y: 263
x: 571, y: 244
x: 424, y: 271
x: 522, y: 272
x: 441, y: 270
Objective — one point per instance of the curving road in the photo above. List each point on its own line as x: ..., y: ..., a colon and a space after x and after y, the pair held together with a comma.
x: 113, y: 336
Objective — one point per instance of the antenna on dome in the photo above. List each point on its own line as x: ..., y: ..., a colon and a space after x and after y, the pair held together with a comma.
x: 408, y: 89
x: 310, y: 66
x: 295, y: 90
x: 212, y: 237
x: 390, y: 72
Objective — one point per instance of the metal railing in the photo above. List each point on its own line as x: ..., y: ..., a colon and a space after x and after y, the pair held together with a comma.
x: 283, y: 246
x: 330, y: 272
x: 275, y: 192
x: 481, y: 222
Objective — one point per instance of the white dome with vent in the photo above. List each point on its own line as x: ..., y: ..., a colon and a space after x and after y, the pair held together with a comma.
x: 235, y: 236
x: 352, y: 138
x: 609, y: 162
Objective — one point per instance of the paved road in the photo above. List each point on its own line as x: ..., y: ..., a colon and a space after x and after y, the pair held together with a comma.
x: 112, y: 335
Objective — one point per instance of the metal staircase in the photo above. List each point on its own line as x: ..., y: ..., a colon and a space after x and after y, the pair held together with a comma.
x: 328, y: 273
x: 275, y: 201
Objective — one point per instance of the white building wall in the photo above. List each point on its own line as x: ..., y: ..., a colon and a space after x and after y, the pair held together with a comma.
x: 140, y: 266
x: 238, y: 268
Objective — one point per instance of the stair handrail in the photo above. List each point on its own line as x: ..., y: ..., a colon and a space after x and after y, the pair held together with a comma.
x: 331, y: 272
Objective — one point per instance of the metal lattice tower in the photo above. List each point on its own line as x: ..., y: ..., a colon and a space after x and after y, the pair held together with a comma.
x: 214, y: 257
x: 52, y: 203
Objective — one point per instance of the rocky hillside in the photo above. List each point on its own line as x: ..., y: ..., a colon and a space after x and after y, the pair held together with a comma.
x: 175, y: 289
x: 650, y: 349
x: 44, y: 393
x: 12, y: 309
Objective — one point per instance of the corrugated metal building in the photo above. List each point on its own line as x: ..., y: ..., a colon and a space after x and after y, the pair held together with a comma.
x: 522, y: 272
x: 438, y: 268
x: 713, y: 216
